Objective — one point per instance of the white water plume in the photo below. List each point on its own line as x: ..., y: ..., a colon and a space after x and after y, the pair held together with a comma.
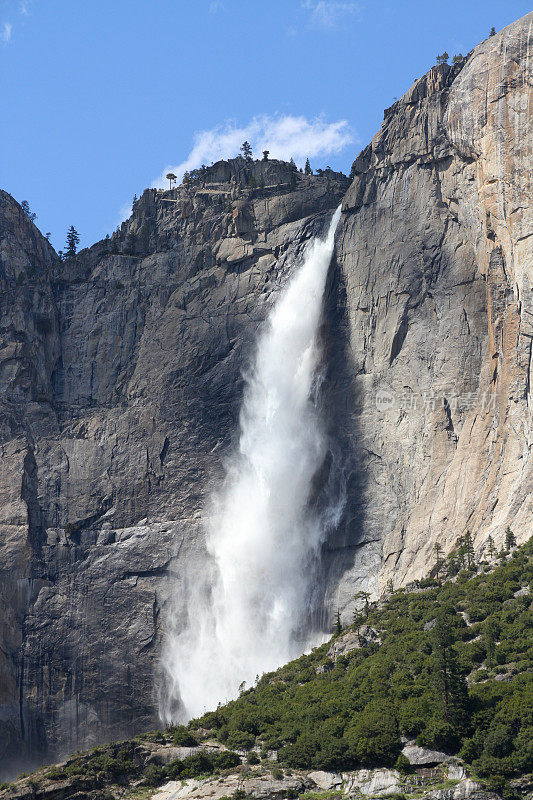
x: 251, y: 614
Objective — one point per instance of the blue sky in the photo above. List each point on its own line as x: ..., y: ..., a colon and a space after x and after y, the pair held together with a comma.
x: 99, y: 98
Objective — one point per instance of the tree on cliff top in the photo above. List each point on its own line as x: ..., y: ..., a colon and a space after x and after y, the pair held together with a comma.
x: 307, y: 169
x: 25, y: 206
x: 443, y: 58
x: 170, y: 177
x: 73, y: 240
x: 246, y: 150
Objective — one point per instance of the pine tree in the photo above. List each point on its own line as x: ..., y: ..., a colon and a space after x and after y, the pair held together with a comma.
x: 73, y: 240
x: 510, y: 539
x: 266, y: 154
x: 491, y: 632
x: 443, y: 58
x: 490, y: 547
x: 450, y: 683
x: 438, y: 550
x: 307, y: 168
x: 365, y: 596
x: 246, y: 150
x: 25, y: 206
x: 292, y: 162
x: 458, y: 58
x: 171, y: 178
x: 492, y: 32
x: 469, y: 549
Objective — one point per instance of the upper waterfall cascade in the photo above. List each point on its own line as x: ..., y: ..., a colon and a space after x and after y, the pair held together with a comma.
x: 247, y: 615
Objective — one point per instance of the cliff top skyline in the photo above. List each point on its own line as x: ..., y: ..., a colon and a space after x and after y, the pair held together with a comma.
x: 102, y: 101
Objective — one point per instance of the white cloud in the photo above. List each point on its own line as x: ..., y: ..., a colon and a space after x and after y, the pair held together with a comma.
x: 5, y: 32
x: 328, y: 13
x: 25, y: 7
x: 216, y: 5
x: 284, y: 136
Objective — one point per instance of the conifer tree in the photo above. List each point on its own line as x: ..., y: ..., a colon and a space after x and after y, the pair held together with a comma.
x: 469, y: 549
x: 246, y: 150
x: 25, y: 206
x: 438, y: 550
x: 73, y: 240
x: 451, y: 684
x: 490, y: 547
x: 492, y: 32
x: 266, y: 154
x: 307, y: 168
x: 510, y: 539
x: 171, y: 178
x: 365, y: 596
x: 443, y: 58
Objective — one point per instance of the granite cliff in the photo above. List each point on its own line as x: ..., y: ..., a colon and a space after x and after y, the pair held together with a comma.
x: 120, y: 383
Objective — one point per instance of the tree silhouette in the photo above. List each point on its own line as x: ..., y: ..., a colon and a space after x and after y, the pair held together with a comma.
x: 492, y: 32
x: 171, y: 178
x: 25, y: 206
x: 443, y: 58
x: 307, y: 168
x: 266, y: 154
x: 73, y: 240
x: 246, y: 150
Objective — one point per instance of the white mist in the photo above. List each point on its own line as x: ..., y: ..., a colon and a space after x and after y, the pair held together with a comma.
x: 249, y: 616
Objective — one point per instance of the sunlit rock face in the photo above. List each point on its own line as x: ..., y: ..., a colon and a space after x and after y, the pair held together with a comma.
x: 435, y: 274
x: 121, y: 383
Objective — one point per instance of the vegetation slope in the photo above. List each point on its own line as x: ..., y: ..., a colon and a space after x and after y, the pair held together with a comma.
x: 452, y: 670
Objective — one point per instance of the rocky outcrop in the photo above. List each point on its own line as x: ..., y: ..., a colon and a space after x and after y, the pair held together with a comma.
x: 123, y: 770
x: 121, y: 379
x: 435, y: 275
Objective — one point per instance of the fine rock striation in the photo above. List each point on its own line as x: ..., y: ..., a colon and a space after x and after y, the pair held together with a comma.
x: 120, y: 384
x: 434, y: 284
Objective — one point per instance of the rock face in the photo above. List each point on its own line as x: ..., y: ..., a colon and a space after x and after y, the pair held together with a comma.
x: 435, y: 275
x: 120, y: 384
x: 120, y: 390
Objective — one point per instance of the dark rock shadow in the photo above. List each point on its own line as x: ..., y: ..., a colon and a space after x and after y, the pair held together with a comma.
x: 342, y: 478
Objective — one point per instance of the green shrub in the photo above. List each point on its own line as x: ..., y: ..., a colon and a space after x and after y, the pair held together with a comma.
x: 182, y: 737
x: 240, y: 740
x: 154, y: 775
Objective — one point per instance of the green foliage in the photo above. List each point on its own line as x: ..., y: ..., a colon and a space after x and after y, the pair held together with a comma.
x: 443, y: 58
x: 25, y: 206
x: 154, y: 774
x: 182, y: 737
x: 350, y: 713
x: 246, y: 150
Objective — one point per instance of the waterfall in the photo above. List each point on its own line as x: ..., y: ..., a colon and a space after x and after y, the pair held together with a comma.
x: 250, y: 613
